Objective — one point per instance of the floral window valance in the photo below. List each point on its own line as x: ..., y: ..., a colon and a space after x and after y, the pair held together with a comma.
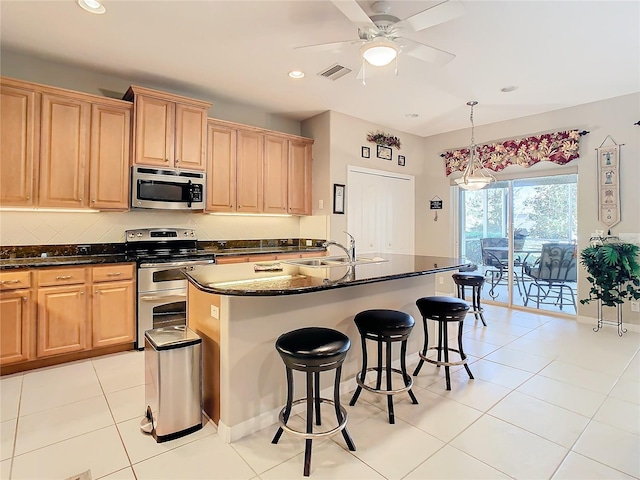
x: 557, y: 147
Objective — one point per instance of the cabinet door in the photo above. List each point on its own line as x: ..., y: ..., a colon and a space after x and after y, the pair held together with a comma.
x: 110, y: 135
x: 19, y: 117
x: 154, y: 127
x: 299, y: 200
x: 64, y: 152
x: 16, y: 325
x: 275, y: 174
x: 191, y: 137
x: 221, y: 168
x: 113, y: 314
x: 62, y: 320
x: 249, y: 161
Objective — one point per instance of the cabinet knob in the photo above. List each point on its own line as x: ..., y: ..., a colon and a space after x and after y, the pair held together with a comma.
x: 79, y: 199
x: 177, y: 160
x: 97, y: 292
x: 93, y: 201
x: 24, y: 299
x: 28, y: 198
x: 81, y: 292
x: 166, y: 159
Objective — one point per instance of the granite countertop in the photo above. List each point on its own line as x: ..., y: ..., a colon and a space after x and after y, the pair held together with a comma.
x: 288, y: 279
x: 61, y: 261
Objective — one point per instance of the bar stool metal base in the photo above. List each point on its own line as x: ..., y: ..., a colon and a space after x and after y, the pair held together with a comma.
x: 327, y: 433
x: 408, y: 381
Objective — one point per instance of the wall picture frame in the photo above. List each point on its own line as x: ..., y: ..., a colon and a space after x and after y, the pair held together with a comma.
x: 384, y: 152
x: 366, y: 152
x: 338, y: 198
x: 401, y: 160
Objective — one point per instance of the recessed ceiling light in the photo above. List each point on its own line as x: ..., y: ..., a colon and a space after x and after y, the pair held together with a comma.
x: 296, y: 74
x: 508, y: 89
x: 93, y: 6
x: 411, y: 115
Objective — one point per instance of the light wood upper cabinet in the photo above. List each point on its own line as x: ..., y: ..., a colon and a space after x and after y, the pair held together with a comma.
x: 221, y: 168
x: 19, y: 118
x: 64, y: 152
x: 299, y: 177
x: 170, y: 130
x: 249, y: 161
x: 275, y: 184
x: 110, y: 144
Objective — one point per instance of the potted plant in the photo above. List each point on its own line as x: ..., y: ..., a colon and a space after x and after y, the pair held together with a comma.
x: 614, y: 272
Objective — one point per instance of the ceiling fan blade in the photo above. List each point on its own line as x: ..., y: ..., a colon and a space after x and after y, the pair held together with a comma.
x: 320, y: 47
x: 443, y: 12
x: 353, y: 12
x: 426, y: 52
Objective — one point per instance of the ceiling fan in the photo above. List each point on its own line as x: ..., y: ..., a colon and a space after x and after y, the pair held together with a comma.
x: 382, y: 35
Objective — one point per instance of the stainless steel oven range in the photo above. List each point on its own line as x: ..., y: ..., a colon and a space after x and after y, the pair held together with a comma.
x: 161, y: 255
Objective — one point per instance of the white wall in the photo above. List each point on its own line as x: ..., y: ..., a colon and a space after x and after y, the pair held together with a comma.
x: 60, y: 228
x: 615, y: 117
x: 34, y: 69
x: 347, y: 136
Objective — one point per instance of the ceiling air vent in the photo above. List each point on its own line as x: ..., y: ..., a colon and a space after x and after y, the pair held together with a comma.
x: 334, y: 72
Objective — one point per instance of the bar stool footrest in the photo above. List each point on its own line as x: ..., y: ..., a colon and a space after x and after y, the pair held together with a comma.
x: 326, y: 433
x: 407, y: 379
x: 441, y: 363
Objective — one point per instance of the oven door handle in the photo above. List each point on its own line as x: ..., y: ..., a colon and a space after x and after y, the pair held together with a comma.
x: 155, y: 298
x: 177, y: 264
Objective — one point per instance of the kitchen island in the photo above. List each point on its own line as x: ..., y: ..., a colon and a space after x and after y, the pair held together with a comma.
x: 240, y: 310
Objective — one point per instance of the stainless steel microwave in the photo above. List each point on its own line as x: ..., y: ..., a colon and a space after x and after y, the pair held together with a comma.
x: 167, y: 189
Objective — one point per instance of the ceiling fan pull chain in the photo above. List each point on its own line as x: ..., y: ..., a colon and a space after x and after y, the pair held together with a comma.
x: 363, y: 73
x: 396, y: 65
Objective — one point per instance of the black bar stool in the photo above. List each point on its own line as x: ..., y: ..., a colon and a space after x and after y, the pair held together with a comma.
x: 443, y: 310
x: 313, y: 350
x: 475, y: 281
x: 384, y: 326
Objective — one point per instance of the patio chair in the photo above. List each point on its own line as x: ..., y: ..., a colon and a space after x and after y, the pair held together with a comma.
x: 495, y: 258
x: 552, y: 275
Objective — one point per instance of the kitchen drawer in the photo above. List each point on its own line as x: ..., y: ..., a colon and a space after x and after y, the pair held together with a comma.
x: 264, y: 257
x: 232, y: 259
x: 61, y: 276
x: 287, y: 256
x: 13, y: 280
x: 114, y: 272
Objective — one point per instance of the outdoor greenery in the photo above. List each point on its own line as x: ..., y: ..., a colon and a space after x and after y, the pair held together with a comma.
x: 614, y: 272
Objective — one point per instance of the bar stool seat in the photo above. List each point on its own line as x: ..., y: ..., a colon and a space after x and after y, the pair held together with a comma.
x: 443, y: 310
x: 384, y: 327
x: 313, y: 350
x: 475, y: 281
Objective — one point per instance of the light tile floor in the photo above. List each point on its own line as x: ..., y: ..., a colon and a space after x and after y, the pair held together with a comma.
x: 550, y: 399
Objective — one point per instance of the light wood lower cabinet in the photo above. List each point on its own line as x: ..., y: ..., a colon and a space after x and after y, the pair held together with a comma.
x: 62, y: 320
x: 69, y: 310
x: 113, y: 305
x: 17, y: 319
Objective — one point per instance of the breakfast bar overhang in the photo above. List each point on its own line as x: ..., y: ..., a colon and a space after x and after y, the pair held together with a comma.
x: 240, y: 310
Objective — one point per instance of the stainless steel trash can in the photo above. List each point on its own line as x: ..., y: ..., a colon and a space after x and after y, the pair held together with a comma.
x: 173, y: 382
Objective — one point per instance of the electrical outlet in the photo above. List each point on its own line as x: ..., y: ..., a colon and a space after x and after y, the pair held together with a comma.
x: 215, y: 311
x: 635, y: 306
x: 320, y: 204
x: 309, y: 243
x: 84, y: 249
x: 441, y: 280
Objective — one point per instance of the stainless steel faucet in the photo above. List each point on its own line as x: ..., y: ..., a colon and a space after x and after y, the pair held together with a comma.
x: 350, y: 251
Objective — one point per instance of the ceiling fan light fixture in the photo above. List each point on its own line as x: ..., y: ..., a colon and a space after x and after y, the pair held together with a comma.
x: 92, y: 6
x: 379, y: 52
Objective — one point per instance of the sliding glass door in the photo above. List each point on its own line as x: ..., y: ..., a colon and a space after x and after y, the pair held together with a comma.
x: 521, y: 234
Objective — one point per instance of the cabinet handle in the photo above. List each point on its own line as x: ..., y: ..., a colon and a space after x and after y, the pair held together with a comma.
x: 114, y: 274
x: 9, y: 282
x: 63, y: 277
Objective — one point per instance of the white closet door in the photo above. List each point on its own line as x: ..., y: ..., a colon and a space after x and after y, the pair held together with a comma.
x: 380, y: 210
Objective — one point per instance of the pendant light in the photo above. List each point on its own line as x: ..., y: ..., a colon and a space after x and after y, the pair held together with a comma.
x: 475, y: 176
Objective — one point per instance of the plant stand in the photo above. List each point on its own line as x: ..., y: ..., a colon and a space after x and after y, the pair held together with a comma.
x: 618, y: 323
